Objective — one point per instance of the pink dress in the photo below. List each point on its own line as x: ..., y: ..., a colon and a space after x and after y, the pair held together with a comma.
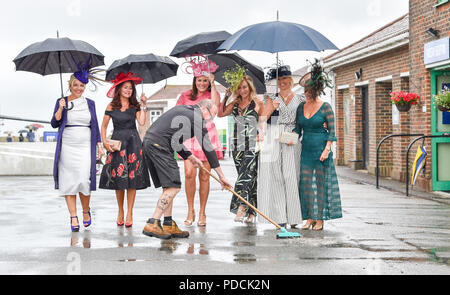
x: 192, y: 144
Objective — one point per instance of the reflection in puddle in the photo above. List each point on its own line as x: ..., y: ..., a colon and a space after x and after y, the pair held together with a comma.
x: 75, y: 239
x: 243, y: 244
x: 244, y: 258
x: 123, y: 238
x: 201, y: 249
x: 169, y: 246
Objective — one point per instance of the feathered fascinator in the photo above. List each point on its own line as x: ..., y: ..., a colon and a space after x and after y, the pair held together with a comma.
x: 85, y: 72
x: 234, y: 77
x: 317, y: 79
x: 200, y: 65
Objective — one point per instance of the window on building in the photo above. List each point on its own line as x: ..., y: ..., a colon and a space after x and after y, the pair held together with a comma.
x: 154, y: 115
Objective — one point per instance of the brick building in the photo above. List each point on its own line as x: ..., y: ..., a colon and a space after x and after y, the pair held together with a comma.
x: 395, y: 58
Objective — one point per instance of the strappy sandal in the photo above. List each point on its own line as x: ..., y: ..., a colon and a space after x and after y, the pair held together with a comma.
x: 189, y: 222
x: 250, y: 219
x: 318, y: 228
x: 201, y: 223
x: 308, y: 226
x: 75, y: 228
x: 87, y: 223
x: 240, y: 218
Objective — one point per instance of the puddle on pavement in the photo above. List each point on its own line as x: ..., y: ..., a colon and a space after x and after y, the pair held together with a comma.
x: 244, y: 258
x: 243, y: 244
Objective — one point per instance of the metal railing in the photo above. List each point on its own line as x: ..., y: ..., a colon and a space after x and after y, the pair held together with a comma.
x: 23, y: 119
x: 407, y: 155
x: 378, y: 150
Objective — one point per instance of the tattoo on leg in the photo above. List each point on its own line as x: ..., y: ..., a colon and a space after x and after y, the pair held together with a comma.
x: 164, y: 201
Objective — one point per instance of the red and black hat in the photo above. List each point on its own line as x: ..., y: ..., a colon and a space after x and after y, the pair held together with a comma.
x: 120, y: 78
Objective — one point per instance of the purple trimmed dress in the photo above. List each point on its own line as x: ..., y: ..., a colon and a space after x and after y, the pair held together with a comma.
x: 94, y: 138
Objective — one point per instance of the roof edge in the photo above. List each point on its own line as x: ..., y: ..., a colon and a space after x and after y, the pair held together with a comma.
x: 366, y: 37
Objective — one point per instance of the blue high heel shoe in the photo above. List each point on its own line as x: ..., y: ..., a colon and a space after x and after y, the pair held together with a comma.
x: 87, y: 223
x: 75, y: 228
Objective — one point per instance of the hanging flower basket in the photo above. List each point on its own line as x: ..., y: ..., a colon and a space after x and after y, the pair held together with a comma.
x: 442, y: 100
x: 403, y: 107
x: 443, y: 109
x: 404, y: 100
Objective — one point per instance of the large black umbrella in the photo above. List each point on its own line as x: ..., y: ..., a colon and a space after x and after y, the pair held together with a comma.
x: 152, y: 68
x: 203, y: 43
x: 57, y: 55
x: 227, y: 61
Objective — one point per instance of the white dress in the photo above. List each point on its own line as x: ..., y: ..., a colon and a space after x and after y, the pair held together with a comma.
x: 74, y: 166
x: 279, y: 169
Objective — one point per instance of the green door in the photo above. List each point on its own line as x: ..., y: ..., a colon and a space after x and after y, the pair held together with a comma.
x: 440, y: 146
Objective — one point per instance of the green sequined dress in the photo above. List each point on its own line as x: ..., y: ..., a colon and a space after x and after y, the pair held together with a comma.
x: 319, y: 188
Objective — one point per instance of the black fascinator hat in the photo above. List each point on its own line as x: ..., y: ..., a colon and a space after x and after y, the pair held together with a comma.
x: 283, y: 71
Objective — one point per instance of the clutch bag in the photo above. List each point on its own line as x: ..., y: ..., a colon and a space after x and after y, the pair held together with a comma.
x: 287, y: 137
x: 115, y: 144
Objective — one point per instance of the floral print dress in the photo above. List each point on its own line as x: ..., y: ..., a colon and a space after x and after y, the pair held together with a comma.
x: 125, y: 169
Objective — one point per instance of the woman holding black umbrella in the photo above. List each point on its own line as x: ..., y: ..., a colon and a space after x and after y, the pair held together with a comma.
x: 202, y: 88
x: 74, y: 168
x: 125, y: 168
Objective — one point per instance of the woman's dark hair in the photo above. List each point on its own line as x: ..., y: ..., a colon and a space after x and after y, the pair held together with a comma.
x: 318, y: 81
x: 194, y: 91
x: 117, y: 105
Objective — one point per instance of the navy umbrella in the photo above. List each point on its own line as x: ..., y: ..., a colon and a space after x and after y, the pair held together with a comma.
x: 57, y: 55
x: 150, y: 67
x: 276, y: 37
x: 227, y: 61
x: 202, y: 43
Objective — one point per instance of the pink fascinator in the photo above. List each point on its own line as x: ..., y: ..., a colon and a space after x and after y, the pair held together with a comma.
x: 201, y: 66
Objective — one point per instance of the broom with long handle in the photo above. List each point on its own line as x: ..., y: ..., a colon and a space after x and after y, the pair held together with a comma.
x: 284, y: 234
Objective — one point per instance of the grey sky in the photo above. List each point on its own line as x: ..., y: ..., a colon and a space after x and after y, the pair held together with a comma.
x: 118, y: 28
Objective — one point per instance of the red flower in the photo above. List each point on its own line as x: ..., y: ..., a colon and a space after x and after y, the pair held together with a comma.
x: 140, y: 152
x: 122, y: 153
x: 131, y: 175
x: 108, y: 159
x: 404, y: 98
x: 120, y: 170
x: 137, y: 165
x: 132, y: 158
x: 113, y: 173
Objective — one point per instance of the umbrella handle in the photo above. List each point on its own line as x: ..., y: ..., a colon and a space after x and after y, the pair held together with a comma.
x: 69, y: 108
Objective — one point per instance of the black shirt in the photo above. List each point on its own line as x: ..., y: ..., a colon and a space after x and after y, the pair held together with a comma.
x: 178, y: 124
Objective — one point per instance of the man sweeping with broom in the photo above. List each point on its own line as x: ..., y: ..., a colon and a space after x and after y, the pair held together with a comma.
x: 164, y: 137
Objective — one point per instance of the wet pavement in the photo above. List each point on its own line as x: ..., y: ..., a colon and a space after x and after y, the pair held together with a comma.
x: 382, y: 232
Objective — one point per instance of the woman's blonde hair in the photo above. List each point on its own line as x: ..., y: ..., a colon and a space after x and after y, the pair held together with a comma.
x: 250, y: 84
x: 71, y: 80
x: 291, y: 80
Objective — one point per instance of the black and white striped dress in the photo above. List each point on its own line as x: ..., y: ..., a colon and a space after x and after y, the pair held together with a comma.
x: 279, y: 169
